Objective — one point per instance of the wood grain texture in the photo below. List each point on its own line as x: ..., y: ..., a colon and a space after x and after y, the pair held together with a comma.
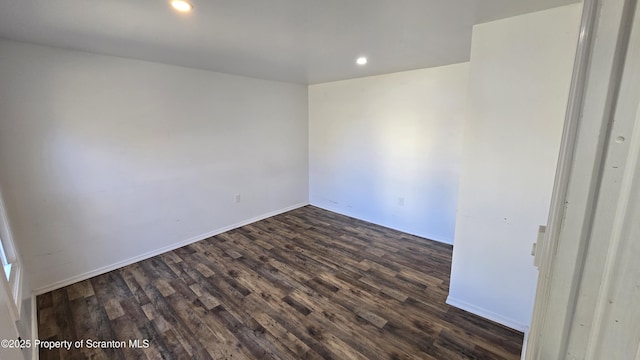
x: 306, y: 284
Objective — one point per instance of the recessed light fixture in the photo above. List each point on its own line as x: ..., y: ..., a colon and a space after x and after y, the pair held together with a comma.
x: 181, y: 5
x: 361, y: 60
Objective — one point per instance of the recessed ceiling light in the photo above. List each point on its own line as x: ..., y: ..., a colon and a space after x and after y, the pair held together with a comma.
x: 181, y: 5
x: 361, y: 60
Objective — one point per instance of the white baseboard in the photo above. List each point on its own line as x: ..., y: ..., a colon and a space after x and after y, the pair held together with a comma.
x: 150, y: 254
x: 490, y: 315
x: 342, y: 211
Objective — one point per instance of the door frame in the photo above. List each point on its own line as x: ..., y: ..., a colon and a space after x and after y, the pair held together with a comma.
x: 583, y: 216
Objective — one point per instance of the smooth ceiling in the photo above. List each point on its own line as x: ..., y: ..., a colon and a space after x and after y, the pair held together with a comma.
x: 301, y: 41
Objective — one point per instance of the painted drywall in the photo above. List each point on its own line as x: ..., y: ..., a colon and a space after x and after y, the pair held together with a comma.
x: 518, y: 89
x: 387, y: 148
x: 105, y: 159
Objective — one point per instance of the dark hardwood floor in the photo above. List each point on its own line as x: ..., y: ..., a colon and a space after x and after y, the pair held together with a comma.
x: 307, y: 284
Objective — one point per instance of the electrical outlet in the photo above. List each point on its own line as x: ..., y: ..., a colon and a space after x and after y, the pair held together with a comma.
x: 401, y: 201
x: 237, y: 198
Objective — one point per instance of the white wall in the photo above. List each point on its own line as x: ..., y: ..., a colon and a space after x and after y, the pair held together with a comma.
x: 518, y: 89
x: 377, y: 139
x: 105, y: 159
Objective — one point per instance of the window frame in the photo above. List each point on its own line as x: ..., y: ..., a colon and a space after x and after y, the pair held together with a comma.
x: 5, y: 262
x: 10, y: 263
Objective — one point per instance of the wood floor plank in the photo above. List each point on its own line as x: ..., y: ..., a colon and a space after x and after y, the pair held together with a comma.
x: 306, y: 284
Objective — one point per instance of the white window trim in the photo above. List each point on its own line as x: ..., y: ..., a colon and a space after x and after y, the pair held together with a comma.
x: 7, y: 270
x: 11, y: 263
x: 5, y: 262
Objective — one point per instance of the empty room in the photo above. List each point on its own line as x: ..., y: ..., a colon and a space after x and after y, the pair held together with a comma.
x: 279, y: 179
